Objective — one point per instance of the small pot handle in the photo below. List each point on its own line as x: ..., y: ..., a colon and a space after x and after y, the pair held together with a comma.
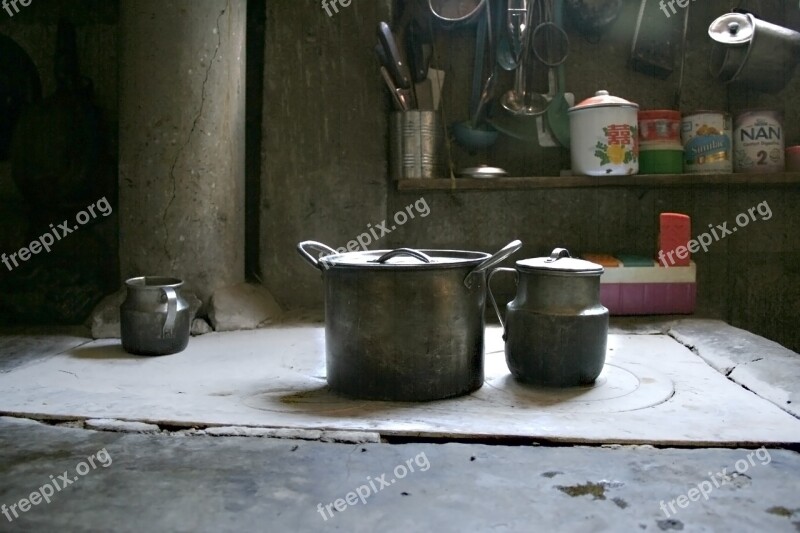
x: 557, y: 254
x: 491, y: 295
x: 168, y: 331
x: 404, y: 251
x: 506, y: 251
x: 314, y: 245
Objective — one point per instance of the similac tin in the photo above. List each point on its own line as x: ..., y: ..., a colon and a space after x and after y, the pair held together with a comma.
x: 758, y: 142
x: 660, y: 148
x: 707, y: 146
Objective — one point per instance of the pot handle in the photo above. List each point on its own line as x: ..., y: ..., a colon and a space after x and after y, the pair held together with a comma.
x: 491, y: 295
x: 403, y: 251
x: 314, y: 245
x: 171, y: 297
x: 507, y: 250
x: 557, y: 254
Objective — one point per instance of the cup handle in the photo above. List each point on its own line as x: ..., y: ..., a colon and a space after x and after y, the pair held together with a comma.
x: 172, y: 313
x: 491, y: 295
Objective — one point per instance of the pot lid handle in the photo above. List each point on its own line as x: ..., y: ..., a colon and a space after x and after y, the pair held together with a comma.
x: 403, y: 251
x: 557, y: 254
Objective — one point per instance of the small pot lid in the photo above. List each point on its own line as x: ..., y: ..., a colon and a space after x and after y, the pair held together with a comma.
x: 482, y: 171
x: 561, y: 263
x: 732, y: 28
x: 404, y: 259
x: 602, y: 99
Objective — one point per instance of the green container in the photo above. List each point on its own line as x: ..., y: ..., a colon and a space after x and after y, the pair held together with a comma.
x: 660, y: 161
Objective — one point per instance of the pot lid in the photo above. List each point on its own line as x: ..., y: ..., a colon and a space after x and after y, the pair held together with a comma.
x: 482, y: 171
x: 404, y: 259
x: 602, y: 99
x: 732, y: 28
x: 560, y: 262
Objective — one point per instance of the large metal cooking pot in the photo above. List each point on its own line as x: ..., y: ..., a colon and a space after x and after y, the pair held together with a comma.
x: 404, y: 325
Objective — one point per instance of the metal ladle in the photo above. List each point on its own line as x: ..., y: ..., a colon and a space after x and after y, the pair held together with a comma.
x: 518, y: 101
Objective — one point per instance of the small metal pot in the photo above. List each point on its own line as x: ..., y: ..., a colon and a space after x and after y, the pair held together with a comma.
x: 555, y: 330
x: 759, y: 54
x: 154, y: 318
x: 404, y: 325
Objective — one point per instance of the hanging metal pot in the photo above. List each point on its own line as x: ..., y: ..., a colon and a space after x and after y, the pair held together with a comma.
x: 404, y: 325
x: 749, y: 50
x: 555, y: 329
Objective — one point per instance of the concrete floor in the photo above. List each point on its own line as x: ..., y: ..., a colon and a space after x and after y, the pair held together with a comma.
x: 170, y: 483
x: 179, y: 481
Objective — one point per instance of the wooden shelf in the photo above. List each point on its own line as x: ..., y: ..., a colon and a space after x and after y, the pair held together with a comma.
x: 570, y: 182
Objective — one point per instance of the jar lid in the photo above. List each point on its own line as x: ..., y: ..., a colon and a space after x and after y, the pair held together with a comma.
x: 602, y: 99
x: 732, y: 28
x: 560, y: 263
x: 659, y: 114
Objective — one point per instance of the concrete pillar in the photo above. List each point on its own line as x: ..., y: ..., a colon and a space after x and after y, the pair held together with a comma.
x: 182, y: 127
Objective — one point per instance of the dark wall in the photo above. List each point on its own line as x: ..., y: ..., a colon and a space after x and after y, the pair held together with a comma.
x: 64, y: 284
x: 325, y: 164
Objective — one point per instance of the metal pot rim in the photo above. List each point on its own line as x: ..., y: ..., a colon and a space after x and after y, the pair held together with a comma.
x: 442, y: 259
x: 153, y: 282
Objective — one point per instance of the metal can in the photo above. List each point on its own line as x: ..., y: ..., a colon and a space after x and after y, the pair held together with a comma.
x: 660, y: 148
x: 707, y: 146
x: 758, y: 142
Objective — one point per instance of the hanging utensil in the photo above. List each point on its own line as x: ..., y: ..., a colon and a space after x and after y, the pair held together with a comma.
x: 684, y: 39
x: 517, y: 26
x: 488, y: 88
x: 653, y: 49
x: 519, y: 101
x: 557, y: 117
x: 469, y: 134
x: 505, y: 55
x: 456, y: 11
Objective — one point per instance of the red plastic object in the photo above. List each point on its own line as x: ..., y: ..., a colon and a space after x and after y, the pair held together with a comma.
x: 673, y: 240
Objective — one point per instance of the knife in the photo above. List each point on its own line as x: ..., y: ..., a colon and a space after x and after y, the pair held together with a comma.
x: 415, y: 52
x: 397, y: 67
x: 399, y: 98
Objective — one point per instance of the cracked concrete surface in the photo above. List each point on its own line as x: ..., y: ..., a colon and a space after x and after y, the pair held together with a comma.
x: 192, y: 130
x: 166, y: 483
x: 762, y: 366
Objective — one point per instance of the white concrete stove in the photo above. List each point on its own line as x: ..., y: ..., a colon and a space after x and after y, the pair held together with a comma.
x: 653, y: 390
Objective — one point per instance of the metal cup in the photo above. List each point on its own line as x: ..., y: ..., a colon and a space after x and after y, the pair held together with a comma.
x: 416, y: 145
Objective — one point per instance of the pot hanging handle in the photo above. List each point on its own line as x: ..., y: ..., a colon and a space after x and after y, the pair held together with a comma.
x: 557, y: 254
x: 500, y: 256
x: 171, y: 297
x: 303, y: 247
x: 403, y: 251
x: 491, y: 295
